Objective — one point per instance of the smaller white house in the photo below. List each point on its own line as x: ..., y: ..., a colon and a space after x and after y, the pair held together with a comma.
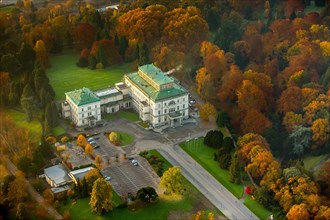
x: 82, y: 106
x: 79, y: 174
x: 57, y: 176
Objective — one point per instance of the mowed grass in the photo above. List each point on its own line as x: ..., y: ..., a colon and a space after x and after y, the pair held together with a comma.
x: 204, y: 155
x: 129, y: 115
x: 125, y: 138
x: 19, y: 118
x: 64, y: 75
x: 7, y: 9
x: 256, y: 208
x: 311, y: 161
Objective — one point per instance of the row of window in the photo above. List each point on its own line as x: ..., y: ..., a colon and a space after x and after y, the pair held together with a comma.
x: 170, y: 110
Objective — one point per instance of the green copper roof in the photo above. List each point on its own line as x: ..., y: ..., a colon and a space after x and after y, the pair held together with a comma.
x: 82, y: 96
x: 155, y: 74
x: 154, y: 94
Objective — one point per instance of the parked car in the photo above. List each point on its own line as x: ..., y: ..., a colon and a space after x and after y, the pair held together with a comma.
x: 135, y: 162
x: 92, y: 142
x: 107, y: 178
x: 90, y: 139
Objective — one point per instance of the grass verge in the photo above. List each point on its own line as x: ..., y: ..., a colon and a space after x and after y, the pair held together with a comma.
x: 65, y: 76
x: 204, y: 155
x: 256, y: 208
x: 311, y: 161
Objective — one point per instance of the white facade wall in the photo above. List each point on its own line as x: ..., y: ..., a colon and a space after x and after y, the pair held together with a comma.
x: 79, y: 114
x: 112, y: 99
x: 158, y: 112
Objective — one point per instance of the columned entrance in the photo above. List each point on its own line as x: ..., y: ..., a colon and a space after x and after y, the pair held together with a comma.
x: 175, y: 119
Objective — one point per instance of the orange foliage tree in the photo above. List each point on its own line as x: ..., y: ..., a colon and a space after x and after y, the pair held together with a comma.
x: 290, y: 100
x: 255, y: 122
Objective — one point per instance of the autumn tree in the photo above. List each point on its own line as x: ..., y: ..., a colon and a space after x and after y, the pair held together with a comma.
x: 207, y: 111
x: 250, y: 96
x: 290, y: 100
x: 171, y: 181
x: 98, y: 161
x: 89, y: 149
x: 323, y: 178
x: 90, y: 177
x: 298, y: 212
x: 180, y: 27
x: 17, y: 189
x: 321, y: 131
x: 291, y: 120
x: 42, y: 55
x: 101, y: 197
x: 114, y: 137
x: 4, y: 87
x: 255, y: 122
x: 106, y: 52
x: 235, y: 170
x: 81, y: 141
x: 85, y: 35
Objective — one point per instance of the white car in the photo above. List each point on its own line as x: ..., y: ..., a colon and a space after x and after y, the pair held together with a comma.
x: 107, y: 178
x: 135, y: 162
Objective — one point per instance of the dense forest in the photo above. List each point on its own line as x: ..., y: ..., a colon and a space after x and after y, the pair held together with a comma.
x: 261, y: 66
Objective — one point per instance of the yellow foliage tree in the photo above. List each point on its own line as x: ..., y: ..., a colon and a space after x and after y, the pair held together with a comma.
x: 321, y: 131
x: 325, y: 47
x: 114, y: 137
x: 171, y: 181
x: 292, y: 119
x: 207, y: 111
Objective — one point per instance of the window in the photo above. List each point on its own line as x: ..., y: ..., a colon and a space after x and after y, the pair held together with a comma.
x: 184, y: 99
x: 89, y: 108
x: 158, y: 120
x: 158, y: 112
x: 95, y: 106
x: 184, y: 106
x: 82, y: 109
x: 172, y: 110
x: 177, y: 101
x: 89, y: 113
x: 165, y: 111
x: 82, y: 115
x: 165, y: 103
x: 177, y: 108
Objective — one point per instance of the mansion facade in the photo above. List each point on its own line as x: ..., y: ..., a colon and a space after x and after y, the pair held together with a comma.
x: 159, y: 99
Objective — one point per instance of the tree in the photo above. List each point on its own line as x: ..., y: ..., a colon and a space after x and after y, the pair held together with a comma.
x: 323, y: 178
x: 42, y: 55
x: 250, y: 96
x: 171, y: 181
x: 89, y: 149
x: 321, y: 131
x: 106, y: 52
x: 235, y: 170
x: 224, y: 158
x: 85, y: 34
x: 143, y: 54
x: 291, y: 120
x: 298, y: 212
x: 29, y: 102
x: 81, y: 140
x: 10, y: 63
x: 228, y: 33
x: 207, y: 111
x: 147, y: 195
x: 255, y: 122
x: 6, y: 181
x: 27, y: 57
x: 301, y: 137
x: 24, y: 164
x: 290, y: 100
x: 213, y: 139
x: 4, y: 87
x: 98, y: 161
x: 17, y: 190
x: 101, y: 196
x: 51, y: 119
x: 114, y: 137
x: 21, y: 212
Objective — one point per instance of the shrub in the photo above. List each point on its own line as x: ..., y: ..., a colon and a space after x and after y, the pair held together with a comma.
x: 51, y: 140
x: 213, y: 139
x: 64, y: 139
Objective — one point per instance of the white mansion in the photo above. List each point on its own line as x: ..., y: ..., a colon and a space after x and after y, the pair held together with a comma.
x: 158, y: 99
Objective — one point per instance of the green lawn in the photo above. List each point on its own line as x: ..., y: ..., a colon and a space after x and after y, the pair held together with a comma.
x: 20, y: 120
x: 64, y: 75
x: 256, y: 208
x: 311, y: 161
x: 58, y: 131
x: 204, y: 155
x: 7, y: 9
x: 129, y: 115
x: 125, y: 138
